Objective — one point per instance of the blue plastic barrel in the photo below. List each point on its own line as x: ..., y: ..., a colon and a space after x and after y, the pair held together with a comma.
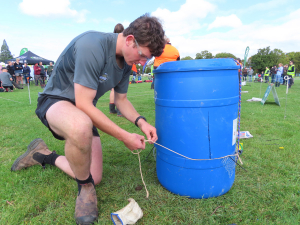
x: 196, y: 115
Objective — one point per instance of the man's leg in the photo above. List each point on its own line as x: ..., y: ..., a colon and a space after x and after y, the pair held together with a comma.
x: 96, y: 164
x: 112, y: 106
x: 290, y: 81
x: 67, y: 121
x: 41, y: 81
x: 36, y: 80
x: 75, y: 127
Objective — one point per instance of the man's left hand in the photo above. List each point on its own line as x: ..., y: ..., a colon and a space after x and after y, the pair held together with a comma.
x: 148, y: 130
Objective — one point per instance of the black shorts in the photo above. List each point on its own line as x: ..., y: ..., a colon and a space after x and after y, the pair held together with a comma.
x: 11, y: 87
x: 44, y: 103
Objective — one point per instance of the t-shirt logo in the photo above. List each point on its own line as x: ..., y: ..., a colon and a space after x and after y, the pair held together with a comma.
x: 103, y: 78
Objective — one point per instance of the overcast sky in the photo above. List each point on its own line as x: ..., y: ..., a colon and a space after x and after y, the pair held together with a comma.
x: 47, y: 26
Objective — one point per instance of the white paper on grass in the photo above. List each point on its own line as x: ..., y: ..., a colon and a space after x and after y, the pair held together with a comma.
x: 254, y: 100
x: 245, y: 134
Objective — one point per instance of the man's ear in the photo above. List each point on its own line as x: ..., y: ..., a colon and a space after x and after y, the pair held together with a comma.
x: 129, y: 40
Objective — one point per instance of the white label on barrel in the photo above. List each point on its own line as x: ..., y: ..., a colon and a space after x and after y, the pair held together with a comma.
x: 234, y: 131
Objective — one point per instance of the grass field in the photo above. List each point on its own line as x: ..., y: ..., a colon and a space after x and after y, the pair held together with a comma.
x: 268, y: 193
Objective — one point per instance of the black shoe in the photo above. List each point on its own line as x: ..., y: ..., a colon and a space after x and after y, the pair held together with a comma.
x: 112, y: 108
x: 119, y: 113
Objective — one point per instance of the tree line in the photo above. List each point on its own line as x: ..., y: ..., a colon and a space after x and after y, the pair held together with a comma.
x: 265, y: 57
x: 208, y: 55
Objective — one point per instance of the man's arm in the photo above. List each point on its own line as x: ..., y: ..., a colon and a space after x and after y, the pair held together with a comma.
x: 129, y: 112
x: 84, y: 97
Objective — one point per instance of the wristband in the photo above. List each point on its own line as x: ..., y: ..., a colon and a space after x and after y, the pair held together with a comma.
x: 137, y: 119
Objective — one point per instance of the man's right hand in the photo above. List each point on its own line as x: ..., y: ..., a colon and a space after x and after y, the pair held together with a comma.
x: 135, y: 141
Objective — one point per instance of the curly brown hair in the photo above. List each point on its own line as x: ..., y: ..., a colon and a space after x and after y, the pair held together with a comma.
x: 119, y: 28
x: 148, y: 32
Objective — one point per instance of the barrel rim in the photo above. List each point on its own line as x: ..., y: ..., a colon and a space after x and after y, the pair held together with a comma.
x: 156, y: 71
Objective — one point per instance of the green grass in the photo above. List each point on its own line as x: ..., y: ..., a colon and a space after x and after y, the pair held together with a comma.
x: 268, y: 193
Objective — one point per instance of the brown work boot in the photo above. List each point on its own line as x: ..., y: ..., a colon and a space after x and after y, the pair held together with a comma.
x: 86, y: 211
x: 35, y: 154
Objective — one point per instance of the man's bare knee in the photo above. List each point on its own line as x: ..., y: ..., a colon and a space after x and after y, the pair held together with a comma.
x: 81, y: 134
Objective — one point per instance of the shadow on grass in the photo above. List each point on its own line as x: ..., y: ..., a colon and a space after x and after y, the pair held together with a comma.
x: 271, y: 103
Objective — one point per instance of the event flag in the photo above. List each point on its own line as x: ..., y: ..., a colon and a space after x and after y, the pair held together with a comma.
x: 23, y: 51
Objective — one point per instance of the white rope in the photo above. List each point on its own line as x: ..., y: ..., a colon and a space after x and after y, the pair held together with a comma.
x: 138, y: 153
x: 197, y: 159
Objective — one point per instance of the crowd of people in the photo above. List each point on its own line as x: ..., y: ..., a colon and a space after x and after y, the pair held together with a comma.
x: 281, y: 74
x: 17, y: 73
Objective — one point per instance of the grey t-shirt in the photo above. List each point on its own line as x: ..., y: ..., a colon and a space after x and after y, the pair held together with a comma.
x: 89, y: 60
x: 5, y: 79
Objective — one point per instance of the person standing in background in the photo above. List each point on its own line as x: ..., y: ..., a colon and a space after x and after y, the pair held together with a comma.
x: 291, y: 73
x: 152, y: 77
x: 50, y: 69
x: 26, y: 73
x: 250, y: 74
x: 169, y: 54
x: 37, y: 77
x: 262, y: 76
x: 245, y: 72
x: 273, y: 73
x: 18, y: 67
x: 11, y: 70
x: 139, y: 74
x: 285, y: 69
x: 267, y: 74
x: 112, y: 107
x: 278, y: 75
x: 42, y: 75
x: 134, y: 71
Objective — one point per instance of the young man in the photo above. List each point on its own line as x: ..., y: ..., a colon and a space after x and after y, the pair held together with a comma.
x: 91, y: 65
